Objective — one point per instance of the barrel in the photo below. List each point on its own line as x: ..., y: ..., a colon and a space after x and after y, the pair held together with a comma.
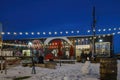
x: 108, y: 69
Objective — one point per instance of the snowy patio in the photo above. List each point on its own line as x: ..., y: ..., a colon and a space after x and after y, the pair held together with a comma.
x: 64, y: 72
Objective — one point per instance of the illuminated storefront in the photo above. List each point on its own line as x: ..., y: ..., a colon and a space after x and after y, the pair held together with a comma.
x: 70, y: 47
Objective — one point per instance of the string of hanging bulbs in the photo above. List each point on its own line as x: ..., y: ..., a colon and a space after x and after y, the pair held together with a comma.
x: 63, y: 32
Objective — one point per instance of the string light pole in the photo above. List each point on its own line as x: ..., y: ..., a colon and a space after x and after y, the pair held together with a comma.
x: 94, y: 30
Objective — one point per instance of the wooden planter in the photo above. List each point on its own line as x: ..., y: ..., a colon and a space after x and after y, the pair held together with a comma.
x: 108, y: 69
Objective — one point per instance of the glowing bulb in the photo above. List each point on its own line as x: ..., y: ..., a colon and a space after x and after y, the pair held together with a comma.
x: 78, y: 31
x: 61, y: 32
x: 8, y: 33
x: 113, y: 33
x: 38, y: 33
x: 32, y: 33
x: 103, y: 35
x: 88, y: 31
x: 44, y: 33
x: 93, y: 30
x: 72, y: 31
x: 99, y: 30
x: 109, y: 29
x: 2, y: 33
x: 50, y: 33
x: 14, y: 33
x: 66, y: 32
x: 20, y: 33
x: 118, y: 32
x: 114, y: 28
x: 104, y: 29
x: 55, y: 32
x: 26, y: 33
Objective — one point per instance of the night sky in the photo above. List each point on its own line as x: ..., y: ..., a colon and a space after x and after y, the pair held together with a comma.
x: 59, y: 15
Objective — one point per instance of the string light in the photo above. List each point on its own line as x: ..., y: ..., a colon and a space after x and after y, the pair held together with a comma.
x: 119, y: 28
x: 66, y: 32
x: 44, y: 33
x: 99, y: 36
x: 99, y: 30
x: 118, y: 32
x: 61, y: 32
x: 108, y: 34
x: 90, y: 38
x: 113, y: 33
x: 8, y: 33
x: 32, y: 33
x: 109, y: 29
x: 78, y: 31
x: 114, y: 28
x: 94, y: 30
x: 72, y: 31
x: 2, y: 33
x: 49, y: 33
x: 86, y: 38
x: 88, y: 31
x: 104, y: 29
x: 26, y: 33
x: 38, y: 33
x: 14, y: 33
x: 20, y: 33
x: 103, y: 35
x: 55, y: 33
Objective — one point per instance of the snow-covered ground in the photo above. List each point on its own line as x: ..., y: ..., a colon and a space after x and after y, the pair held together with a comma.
x: 65, y: 72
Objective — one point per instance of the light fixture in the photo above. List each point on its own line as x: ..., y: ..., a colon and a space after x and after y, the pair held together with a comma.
x: 108, y: 34
x: 49, y: 33
x: 104, y: 29
x: 119, y: 28
x: 88, y: 31
x: 29, y: 43
x: 26, y: 33
x: 66, y: 32
x: 118, y: 32
x: 93, y: 30
x: 72, y: 31
x: 38, y: 33
x: 90, y: 37
x: 103, y: 35
x: 99, y: 36
x: 61, y: 32
x: 20, y: 33
x: 44, y: 33
x: 114, y: 28
x: 113, y: 33
x: 8, y: 33
x: 55, y: 33
x: 109, y: 29
x: 32, y: 33
x: 99, y: 30
x: 2, y: 33
x: 100, y: 40
x: 14, y: 33
x: 78, y: 31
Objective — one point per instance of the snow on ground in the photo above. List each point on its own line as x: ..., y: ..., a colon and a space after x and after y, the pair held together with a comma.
x: 64, y: 72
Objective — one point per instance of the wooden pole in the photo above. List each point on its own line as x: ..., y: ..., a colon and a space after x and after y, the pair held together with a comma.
x: 94, y: 31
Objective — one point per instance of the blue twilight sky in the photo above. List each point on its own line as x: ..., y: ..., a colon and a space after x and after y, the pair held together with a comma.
x: 59, y: 15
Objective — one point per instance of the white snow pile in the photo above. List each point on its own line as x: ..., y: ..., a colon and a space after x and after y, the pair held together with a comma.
x: 77, y: 71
